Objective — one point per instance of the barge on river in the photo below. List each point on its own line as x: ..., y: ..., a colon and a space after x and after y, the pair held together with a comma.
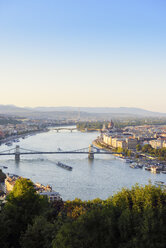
x: 67, y: 167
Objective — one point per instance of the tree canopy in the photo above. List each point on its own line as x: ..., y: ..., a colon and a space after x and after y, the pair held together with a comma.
x: 132, y: 218
x: 22, y: 205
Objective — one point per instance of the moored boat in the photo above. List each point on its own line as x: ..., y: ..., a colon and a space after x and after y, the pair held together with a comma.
x: 159, y: 183
x: 9, y: 143
x: 148, y: 168
x: 134, y: 166
x: 140, y: 166
x: 129, y: 161
x: 155, y: 169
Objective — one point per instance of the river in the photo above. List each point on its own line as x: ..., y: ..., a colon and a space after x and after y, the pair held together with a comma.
x: 100, y: 178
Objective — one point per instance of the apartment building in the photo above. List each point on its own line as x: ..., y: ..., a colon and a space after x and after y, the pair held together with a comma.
x: 122, y: 144
x: 131, y: 143
x: 158, y: 143
x: 120, y: 141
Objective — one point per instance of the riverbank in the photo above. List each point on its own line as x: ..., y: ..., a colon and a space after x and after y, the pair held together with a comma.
x: 150, y: 164
x: 88, y: 130
x: 99, y: 144
x: 23, y: 136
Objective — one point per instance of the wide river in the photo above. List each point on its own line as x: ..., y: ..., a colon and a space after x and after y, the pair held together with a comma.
x: 99, y: 178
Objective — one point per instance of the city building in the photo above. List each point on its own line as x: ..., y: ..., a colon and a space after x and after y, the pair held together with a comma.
x: 110, y: 125
x: 121, y: 144
x: 158, y: 143
x: 52, y: 196
x: 131, y: 143
x: 10, y: 182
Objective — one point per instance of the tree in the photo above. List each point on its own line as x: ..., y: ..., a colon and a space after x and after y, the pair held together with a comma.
x: 38, y: 235
x: 23, y: 204
x: 119, y: 150
x: 131, y: 218
x: 147, y: 148
x: 129, y: 153
x: 94, y: 229
x: 2, y: 176
x: 138, y: 147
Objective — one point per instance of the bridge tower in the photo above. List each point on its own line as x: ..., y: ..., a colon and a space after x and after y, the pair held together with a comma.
x: 17, y: 154
x: 91, y: 152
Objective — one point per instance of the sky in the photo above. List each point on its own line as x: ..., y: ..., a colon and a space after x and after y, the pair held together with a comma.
x: 93, y: 53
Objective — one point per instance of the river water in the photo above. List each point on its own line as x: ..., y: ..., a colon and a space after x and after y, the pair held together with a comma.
x: 99, y: 178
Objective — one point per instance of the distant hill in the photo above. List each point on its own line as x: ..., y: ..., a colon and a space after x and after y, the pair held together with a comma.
x: 9, y: 109
x: 73, y: 112
x: 121, y: 110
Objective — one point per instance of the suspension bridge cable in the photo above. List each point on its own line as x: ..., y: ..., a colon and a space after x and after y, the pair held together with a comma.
x: 28, y: 150
x: 7, y: 150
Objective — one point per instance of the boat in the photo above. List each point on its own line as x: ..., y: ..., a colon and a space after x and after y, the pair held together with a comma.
x: 5, y: 167
x: 67, y: 167
x: 134, y: 166
x: 129, y: 161
x: 159, y: 183
x: 155, y: 169
x: 140, y: 166
x: 8, y: 143
x: 148, y: 168
x: 164, y: 172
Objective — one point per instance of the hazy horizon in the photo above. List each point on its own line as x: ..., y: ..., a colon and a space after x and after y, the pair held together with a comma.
x: 79, y: 107
x: 83, y: 53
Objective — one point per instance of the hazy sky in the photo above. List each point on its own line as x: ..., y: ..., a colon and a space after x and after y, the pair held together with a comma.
x: 107, y: 53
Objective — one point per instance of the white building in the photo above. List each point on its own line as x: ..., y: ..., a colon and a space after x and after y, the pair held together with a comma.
x: 52, y: 196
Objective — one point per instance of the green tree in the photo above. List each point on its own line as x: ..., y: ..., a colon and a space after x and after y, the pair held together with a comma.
x: 119, y: 150
x: 2, y: 176
x: 23, y: 204
x: 129, y: 153
x: 93, y: 230
x: 38, y: 235
x: 138, y: 147
x: 130, y: 219
x: 147, y: 148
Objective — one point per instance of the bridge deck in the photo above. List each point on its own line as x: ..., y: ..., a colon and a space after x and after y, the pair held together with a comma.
x: 70, y: 152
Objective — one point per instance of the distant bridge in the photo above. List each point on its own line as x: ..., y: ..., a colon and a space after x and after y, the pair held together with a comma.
x: 65, y: 128
x: 18, y: 151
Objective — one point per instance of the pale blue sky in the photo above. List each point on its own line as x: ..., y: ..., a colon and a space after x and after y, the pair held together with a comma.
x: 108, y: 53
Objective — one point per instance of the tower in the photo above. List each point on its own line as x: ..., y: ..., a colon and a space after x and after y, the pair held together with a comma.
x: 91, y: 152
x: 17, y: 154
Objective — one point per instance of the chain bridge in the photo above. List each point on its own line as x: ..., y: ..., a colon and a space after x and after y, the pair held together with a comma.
x: 18, y: 151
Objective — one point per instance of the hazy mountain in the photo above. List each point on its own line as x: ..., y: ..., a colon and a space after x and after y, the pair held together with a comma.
x: 50, y: 112
x: 9, y: 109
x: 121, y: 110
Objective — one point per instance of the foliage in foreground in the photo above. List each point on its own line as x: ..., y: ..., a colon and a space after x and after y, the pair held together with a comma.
x: 133, y: 218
